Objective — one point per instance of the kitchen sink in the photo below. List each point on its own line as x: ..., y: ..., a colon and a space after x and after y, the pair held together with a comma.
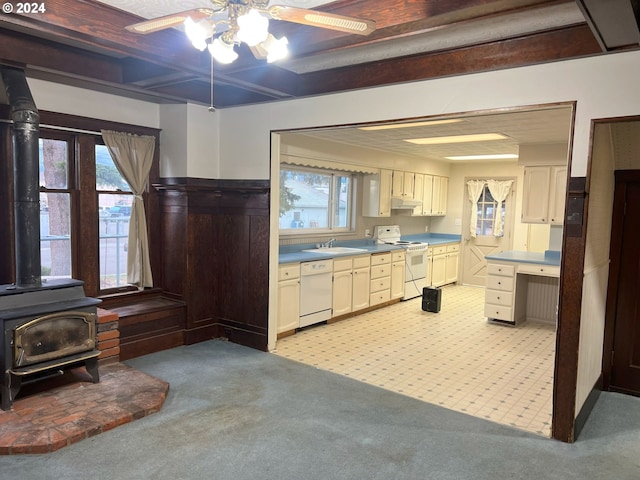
x: 336, y: 250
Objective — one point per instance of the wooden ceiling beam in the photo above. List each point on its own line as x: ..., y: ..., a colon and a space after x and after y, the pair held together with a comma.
x: 544, y: 47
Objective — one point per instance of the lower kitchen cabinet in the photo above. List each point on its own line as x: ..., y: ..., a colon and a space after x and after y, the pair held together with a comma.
x: 361, y: 283
x: 288, y: 297
x: 342, y: 286
x: 443, y: 264
x: 380, y: 278
x: 397, y: 274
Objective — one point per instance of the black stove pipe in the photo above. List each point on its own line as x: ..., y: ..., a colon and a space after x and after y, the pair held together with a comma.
x: 26, y: 173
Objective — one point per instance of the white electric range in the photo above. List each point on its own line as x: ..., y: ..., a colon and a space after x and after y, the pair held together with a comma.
x: 415, y: 275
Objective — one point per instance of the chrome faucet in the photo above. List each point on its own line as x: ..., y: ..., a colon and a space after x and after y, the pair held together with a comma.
x: 328, y: 244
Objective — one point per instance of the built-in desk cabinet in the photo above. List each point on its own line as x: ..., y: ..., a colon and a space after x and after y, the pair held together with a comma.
x: 516, y: 292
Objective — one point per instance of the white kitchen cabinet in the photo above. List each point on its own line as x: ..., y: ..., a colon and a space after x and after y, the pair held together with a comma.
x: 342, y: 286
x: 403, y: 184
x: 442, y: 264
x: 397, y: 274
x: 361, y: 283
x: 418, y: 192
x: 451, y: 265
x: 288, y: 297
x: 439, y: 195
x: 557, y: 195
x: 427, y: 194
x: 380, y: 284
x: 377, y: 194
x: 544, y: 193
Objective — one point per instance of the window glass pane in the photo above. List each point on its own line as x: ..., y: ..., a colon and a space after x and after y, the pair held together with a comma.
x: 304, y: 200
x: 108, y: 177
x: 54, y: 160
x: 55, y: 235
x: 341, y: 207
x: 115, y: 210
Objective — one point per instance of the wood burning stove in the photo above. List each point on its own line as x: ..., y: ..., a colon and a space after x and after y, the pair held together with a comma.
x: 45, y: 330
x: 46, y: 326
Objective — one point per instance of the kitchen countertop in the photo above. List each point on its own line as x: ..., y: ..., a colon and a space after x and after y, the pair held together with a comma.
x: 294, y: 253
x: 549, y: 257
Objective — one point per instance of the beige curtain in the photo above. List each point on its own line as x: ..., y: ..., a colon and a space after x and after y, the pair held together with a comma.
x: 475, y: 190
x: 133, y: 157
x: 499, y: 191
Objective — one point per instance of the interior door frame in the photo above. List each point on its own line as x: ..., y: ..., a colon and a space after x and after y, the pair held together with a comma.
x: 466, y: 215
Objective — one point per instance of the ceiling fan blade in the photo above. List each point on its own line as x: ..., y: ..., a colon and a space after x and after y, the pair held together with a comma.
x: 315, y: 18
x: 169, y: 21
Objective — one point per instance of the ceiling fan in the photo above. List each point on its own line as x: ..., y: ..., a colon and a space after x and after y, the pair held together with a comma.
x: 230, y: 22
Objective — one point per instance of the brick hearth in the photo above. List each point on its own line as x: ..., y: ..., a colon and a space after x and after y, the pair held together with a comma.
x: 52, y: 414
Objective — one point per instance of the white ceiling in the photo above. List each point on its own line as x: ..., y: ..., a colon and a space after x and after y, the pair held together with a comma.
x: 544, y: 125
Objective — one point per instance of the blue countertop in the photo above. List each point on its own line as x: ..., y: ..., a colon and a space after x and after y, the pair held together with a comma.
x: 550, y: 257
x: 294, y: 253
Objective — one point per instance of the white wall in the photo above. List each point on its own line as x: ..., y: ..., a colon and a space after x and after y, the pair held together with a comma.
x: 87, y: 103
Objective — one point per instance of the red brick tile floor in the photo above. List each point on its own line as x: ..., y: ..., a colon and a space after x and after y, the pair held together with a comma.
x: 50, y: 414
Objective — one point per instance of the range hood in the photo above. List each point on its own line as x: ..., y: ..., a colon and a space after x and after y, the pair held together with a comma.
x: 404, y: 204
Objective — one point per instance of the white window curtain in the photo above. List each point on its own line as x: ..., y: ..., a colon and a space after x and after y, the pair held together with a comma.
x: 499, y: 191
x: 133, y: 157
x: 475, y: 190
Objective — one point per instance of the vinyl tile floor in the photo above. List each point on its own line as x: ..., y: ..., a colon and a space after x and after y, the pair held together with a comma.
x: 454, y: 358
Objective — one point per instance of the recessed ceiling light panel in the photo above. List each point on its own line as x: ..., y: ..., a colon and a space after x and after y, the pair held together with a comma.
x: 496, y: 156
x: 427, y: 123
x: 477, y: 137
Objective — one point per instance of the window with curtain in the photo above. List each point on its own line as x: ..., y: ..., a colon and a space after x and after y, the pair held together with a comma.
x: 315, y: 200
x: 86, y: 205
x: 114, y: 213
x: 489, y: 211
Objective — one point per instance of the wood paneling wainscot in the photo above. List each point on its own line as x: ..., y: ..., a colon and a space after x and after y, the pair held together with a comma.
x: 215, y: 235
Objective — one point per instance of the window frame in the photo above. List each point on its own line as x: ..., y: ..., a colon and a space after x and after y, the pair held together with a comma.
x: 331, y: 205
x: 498, y: 207
x: 84, y: 208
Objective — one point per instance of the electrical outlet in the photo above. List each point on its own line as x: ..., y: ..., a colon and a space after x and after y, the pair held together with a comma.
x: 367, y: 233
x: 426, y: 228
x: 458, y: 222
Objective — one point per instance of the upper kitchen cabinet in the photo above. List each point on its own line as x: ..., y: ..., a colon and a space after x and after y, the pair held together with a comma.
x: 439, y: 195
x: 544, y: 189
x: 377, y: 194
x: 403, y: 184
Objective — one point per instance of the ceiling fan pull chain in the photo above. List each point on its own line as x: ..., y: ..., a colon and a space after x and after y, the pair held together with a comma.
x: 211, y: 107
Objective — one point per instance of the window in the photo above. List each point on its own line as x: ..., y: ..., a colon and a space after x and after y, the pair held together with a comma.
x: 114, y: 210
x: 314, y: 200
x: 488, y: 210
x: 55, y: 206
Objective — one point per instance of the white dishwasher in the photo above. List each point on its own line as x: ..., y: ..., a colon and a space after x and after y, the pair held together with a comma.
x: 316, y: 291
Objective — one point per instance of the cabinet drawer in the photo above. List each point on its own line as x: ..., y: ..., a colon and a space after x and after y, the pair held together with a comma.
x: 361, y: 262
x: 287, y: 272
x: 543, y: 270
x: 379, y: 284
x: 498, y: 312
x: 379, y: 297
x: 453, y: 248
x: 501, y: 269
x: 439, y: 250
x: 341, y: 264
x: 498, y: 297
x: 380, y: 259
x: 397, y: 256
x: 500, y: 283
x: 380, y: 271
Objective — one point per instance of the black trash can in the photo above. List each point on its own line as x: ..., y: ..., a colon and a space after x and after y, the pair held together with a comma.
x: 431, y: 299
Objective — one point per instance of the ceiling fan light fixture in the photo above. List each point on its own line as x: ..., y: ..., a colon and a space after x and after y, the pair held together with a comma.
x: 222, y: 51
x: 198, y: 32
x: 276, y: 48
x: 254, y: 28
